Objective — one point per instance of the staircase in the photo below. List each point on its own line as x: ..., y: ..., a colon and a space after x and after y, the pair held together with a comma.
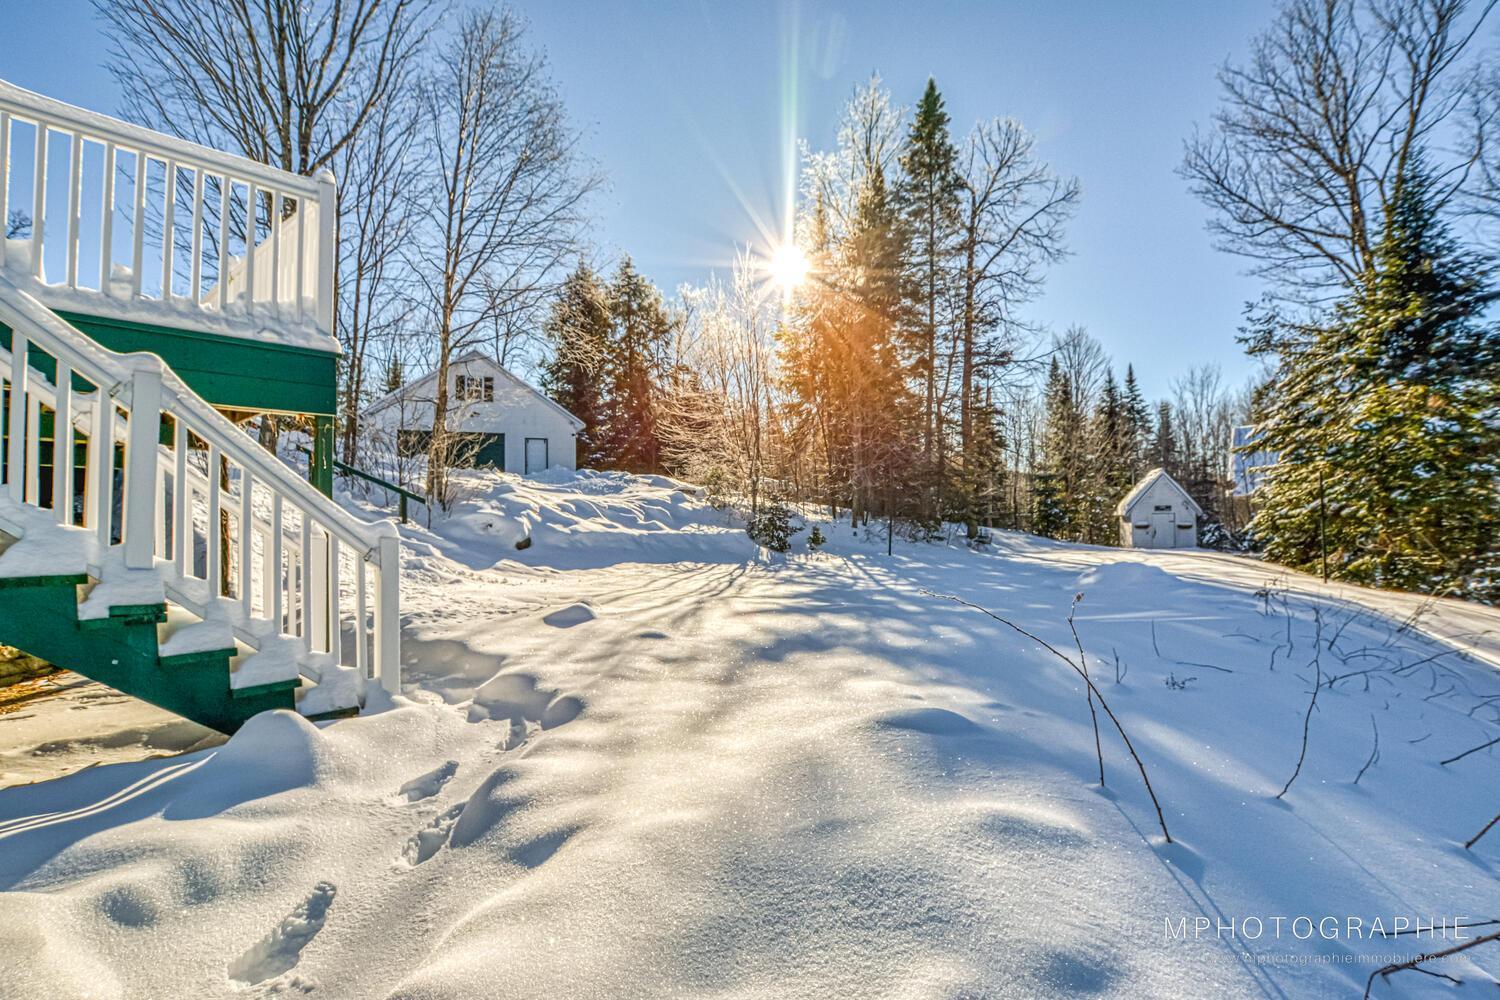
x: 165, y: 553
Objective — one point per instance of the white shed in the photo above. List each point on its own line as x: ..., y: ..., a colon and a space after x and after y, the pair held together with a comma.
x: 510, y: 425
x: 1158, y: 513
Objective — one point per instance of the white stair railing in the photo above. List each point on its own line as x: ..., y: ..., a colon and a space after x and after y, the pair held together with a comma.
x: 304, y: 538
x: 189, y: 219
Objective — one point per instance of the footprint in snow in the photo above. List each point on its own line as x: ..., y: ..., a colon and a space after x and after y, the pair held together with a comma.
x: 425, y: 786
x: 279, y: 951
x: 427, y: 841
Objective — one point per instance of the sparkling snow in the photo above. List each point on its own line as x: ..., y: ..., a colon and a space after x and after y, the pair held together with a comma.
x: 642, y: 757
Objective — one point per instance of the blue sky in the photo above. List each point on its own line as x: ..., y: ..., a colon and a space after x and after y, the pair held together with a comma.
x: 686, y: 106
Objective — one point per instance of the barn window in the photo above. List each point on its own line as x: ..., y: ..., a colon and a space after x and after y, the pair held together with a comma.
x: 474, y: 388
x: 1162, y: 508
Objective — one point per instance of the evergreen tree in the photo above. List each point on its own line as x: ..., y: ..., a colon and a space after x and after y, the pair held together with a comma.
x: 1109, y: 465
x: 1164, y: 453
x: 1137, y: 425
x: 1059, y: 510
x: 637, y: 355
x: 577, y: 373
x: 1387, y: 420
x: 395, y: 375
x: 927, y: 199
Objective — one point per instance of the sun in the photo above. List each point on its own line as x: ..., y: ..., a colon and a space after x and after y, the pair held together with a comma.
x: 788, y: 267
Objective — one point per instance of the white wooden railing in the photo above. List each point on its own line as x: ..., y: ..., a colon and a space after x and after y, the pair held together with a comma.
x: 124, y: 219
x: 289, y: 547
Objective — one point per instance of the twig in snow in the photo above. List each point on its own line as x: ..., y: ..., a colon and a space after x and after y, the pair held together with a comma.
x: 1475, y: 839
x: 1185, y: 663
x: 1083, y: 661
x: 1317, y: 663
x: 1482, y: 746
x: 1374, y: 751
x: 1160, y: 819
x: 1119, y: 673
x: 1386, y: 971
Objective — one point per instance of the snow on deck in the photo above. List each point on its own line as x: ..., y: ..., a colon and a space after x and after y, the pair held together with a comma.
x: 642, y: 757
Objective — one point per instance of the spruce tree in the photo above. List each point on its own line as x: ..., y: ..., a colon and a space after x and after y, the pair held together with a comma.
x: 1387, y: 420
x: 576, y: 375
x: 927, y: 198
x: 1137, y: 425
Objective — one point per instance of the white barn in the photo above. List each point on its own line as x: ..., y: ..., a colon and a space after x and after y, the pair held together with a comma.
x: 511, y: 426
x: 1158, y: 513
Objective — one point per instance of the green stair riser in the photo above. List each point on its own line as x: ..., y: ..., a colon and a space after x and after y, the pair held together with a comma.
x: 122, y: 653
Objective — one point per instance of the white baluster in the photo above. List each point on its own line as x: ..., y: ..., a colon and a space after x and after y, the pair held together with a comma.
x: 75, y: 179
x: 224, y: 242
x: 247, y: 515
x: 34, y: 450
x: 317, y: 591
x: 306, y: 561
x: 361, y: 627
x: 335, y: 616
x: 107, y: 223
x: 273, y: 578
x: 141, y: 463
x: 168, y: 231
x: 215, y: 533
x: 327, y: 248
x: 182, y: 528
x: 388, y: 614
x: 138, y: 233
x: 15, y: 454
x: 4, y: 176
x: 39, y: 201
x: 195, y: 277
x: 251, y: 210
x: 62, y: 445
x: 102, y: 464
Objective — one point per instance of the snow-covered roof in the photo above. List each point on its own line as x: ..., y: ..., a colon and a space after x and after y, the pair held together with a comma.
x: 412, y: 388
x: 1143, y: 487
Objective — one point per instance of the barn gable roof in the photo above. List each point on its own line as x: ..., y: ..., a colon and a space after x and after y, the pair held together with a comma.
x: 1140, y: 489
x: 413, y: 388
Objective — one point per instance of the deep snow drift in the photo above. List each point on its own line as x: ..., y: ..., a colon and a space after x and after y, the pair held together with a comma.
x: 641, y: 757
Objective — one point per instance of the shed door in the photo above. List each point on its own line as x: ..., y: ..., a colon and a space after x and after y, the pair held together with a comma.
x: 536, y: 455
x: 1163, y: 531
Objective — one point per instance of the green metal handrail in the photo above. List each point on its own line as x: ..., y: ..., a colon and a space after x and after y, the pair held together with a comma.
x: 401, y: 491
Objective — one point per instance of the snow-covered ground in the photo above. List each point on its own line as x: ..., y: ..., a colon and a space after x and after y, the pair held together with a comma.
x: 641, y: 757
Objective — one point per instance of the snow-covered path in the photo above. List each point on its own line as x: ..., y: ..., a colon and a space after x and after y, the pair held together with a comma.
x: 736, y: 775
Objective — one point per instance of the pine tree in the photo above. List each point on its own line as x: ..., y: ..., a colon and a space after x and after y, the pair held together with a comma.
x: 576, y: 375
x: 1386, y: 420
x: 395, y: 375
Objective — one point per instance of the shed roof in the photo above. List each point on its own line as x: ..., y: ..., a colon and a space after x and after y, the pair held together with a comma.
x: 408, y: 390
x: 1141, y: 488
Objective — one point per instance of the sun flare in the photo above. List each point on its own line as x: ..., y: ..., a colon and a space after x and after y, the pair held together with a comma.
x: 788, y: 267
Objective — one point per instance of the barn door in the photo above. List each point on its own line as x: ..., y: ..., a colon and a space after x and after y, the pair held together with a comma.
x: 1163, y: 531
x: 536, y: 455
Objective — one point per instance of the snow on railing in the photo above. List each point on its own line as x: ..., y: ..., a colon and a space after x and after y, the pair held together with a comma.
x: 285, y: 543
x: 114, y: 217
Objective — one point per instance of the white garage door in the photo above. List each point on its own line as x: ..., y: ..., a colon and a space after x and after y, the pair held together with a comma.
x: 536, y: 455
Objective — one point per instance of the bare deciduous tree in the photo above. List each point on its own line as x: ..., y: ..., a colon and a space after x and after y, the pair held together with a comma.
x: 1014, y: 210
x: 504, y: 191
x: 379, y: 174
x: 718, y: 427
x: 286, y: 82
x: 1337, y: 96
x: 17, y: 225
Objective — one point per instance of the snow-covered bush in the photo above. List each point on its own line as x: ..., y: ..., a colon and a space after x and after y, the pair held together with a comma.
x: 816, y: 539
x: 772, y: 527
